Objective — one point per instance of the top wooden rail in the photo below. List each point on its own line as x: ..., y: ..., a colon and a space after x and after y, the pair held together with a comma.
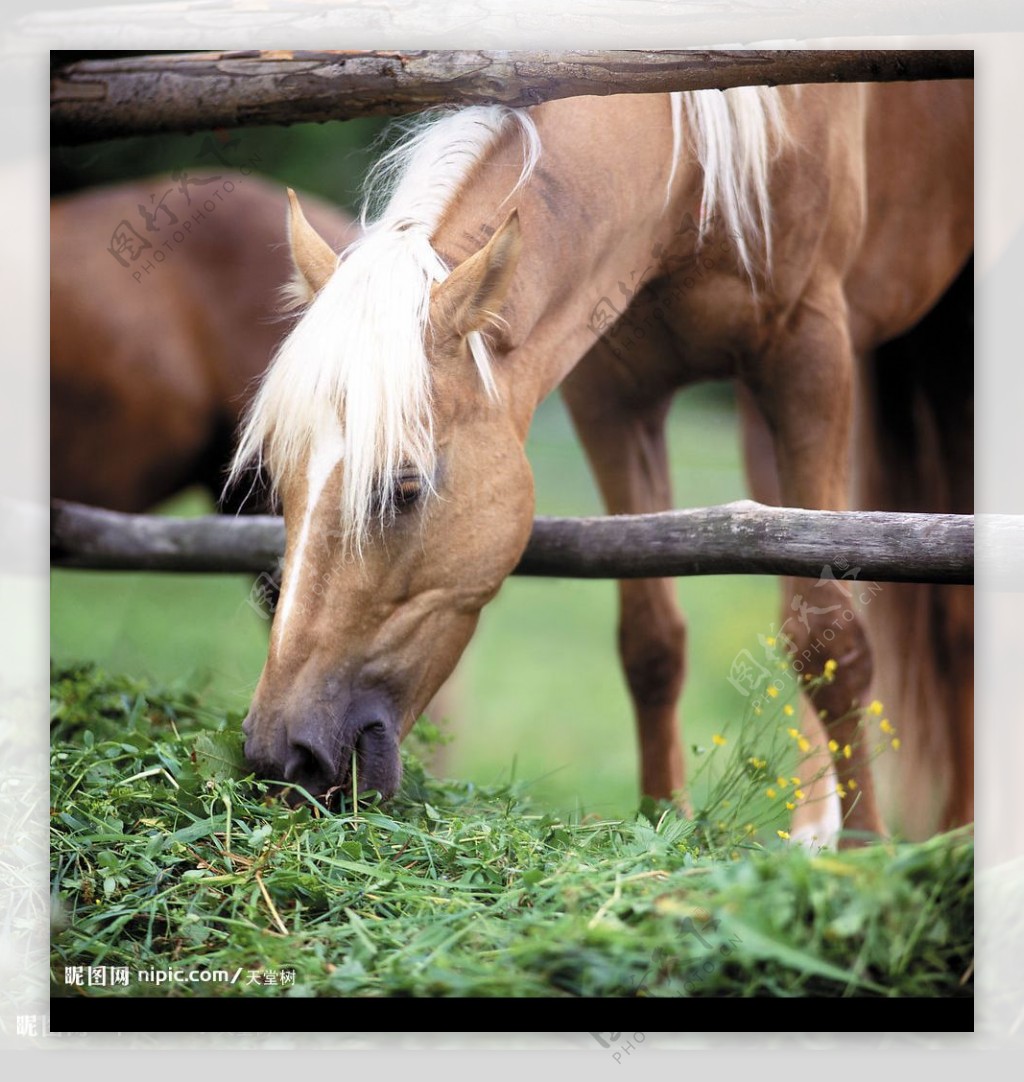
x: 181, y: 92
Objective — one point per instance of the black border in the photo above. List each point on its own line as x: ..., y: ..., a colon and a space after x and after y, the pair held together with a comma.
x: 282, y: 1014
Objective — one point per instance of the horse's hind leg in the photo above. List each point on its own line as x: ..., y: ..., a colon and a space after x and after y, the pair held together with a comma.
x: 817, y: 820
x: 623, y: 434
x: 803, y: 384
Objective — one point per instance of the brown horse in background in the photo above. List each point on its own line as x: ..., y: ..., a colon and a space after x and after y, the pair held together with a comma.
x: 159, y: 329
x: 618, y: 248
x: 916, y: 431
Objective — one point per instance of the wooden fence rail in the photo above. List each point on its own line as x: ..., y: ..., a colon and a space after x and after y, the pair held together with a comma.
x: 105, y: 99
x: 733, y: 539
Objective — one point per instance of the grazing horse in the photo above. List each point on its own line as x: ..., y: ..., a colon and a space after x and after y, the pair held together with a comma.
x: 617, y: 248
x: 151, y: 369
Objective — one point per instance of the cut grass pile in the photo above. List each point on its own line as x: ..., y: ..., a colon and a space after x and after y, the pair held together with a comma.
x: 166, y: 854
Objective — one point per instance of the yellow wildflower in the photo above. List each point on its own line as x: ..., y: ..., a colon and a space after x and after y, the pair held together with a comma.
x: 847, y: 751
x: 783, y: 834
x: 770, y: 793
x: 886, y: 726
x: 781, y: 782
x: 773, y: 692
x: 875, y: 707
x: 804, y: 744
x: 852, y: 783
x: 720, y: 741
x: 800, y: 794
x: 840, y: 792
x: 794, y: 733
x: 833, y: 746
x: 830, y: 667
x: 769, y: 640
x: 788, y: 710
x: 896, y: 743
x: 795, y: 780
x: 790, y: 806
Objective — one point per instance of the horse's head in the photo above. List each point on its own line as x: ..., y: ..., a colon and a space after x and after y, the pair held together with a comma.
x: 406, y: 495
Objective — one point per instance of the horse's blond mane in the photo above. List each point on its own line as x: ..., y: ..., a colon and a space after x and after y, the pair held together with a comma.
x: 734, y: 134
x: 357, y: 358
x: 357, y: 355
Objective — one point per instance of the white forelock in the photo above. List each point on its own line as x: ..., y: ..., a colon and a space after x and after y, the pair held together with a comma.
x: 358, y: 351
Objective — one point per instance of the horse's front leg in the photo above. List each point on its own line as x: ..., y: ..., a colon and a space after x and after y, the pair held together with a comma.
x: 623, y: 433
x: 803, y: 383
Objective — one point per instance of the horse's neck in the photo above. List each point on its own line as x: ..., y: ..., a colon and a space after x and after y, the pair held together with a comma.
x: 593, y: 216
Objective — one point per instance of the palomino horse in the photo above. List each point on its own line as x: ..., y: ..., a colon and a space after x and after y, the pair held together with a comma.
x: 153, y: 358
x: 825, y: 220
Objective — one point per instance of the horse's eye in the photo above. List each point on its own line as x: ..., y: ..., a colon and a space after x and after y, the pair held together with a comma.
x: 406, y: 490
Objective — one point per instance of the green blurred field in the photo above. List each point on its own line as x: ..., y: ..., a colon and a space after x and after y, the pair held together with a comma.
x: 538, y: 695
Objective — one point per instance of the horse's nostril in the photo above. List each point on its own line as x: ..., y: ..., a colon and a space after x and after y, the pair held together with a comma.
x: 304, y: 764
x: 318, y: 752
x: 368, y: 739
x: 298, y: 764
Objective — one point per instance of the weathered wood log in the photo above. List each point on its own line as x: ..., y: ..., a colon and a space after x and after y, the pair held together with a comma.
x: 749, y: 538
x: 741, y: 538
x: 105, y: 99
x: 92, y: 537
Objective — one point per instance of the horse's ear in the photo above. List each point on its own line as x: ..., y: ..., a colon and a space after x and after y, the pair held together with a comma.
x: 472, y: 295
x: 313, y: 259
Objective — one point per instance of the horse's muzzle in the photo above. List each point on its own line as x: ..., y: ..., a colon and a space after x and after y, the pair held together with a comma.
x: 323, y: 750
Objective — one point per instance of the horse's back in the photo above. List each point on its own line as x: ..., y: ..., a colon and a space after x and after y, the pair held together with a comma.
x: 154, y: 349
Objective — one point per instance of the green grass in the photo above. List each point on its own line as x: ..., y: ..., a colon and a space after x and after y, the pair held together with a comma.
x: 165, y: 854
x: 539, y: 693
